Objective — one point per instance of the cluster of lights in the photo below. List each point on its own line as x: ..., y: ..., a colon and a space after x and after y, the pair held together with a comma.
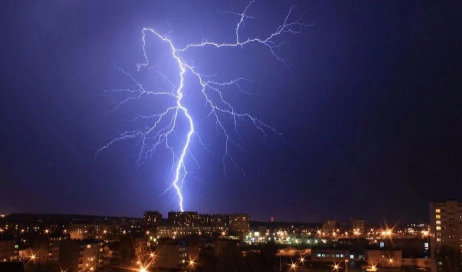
x: 293, y: 266
x: 144, y: 267
x: 387, y: 232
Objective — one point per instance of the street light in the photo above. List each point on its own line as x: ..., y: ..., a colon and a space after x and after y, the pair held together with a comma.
x: 336, y: 267
x: 293, y: 266
x: 192, y: 264
x: 372, y: 268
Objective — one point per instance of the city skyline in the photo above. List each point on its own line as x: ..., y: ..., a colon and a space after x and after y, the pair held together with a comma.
x: 188, y: 240
x: 369, y: 109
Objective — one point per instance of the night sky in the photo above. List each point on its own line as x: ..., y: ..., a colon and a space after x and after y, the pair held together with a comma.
x: 371, y: 110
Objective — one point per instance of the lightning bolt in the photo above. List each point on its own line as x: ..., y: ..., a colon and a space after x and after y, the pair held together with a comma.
x: 164, y: 124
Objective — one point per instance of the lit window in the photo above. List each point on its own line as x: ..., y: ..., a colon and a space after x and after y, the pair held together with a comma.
x: 352, y: 256
x: 438, y: 210
x: 438, y: 227
x: 438, y: 239
x: 438, y: 216
x: 88, y: 246
x: 438, y: 222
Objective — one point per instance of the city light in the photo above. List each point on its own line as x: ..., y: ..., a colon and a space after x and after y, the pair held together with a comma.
x: 373, y: 268
x: 143, y: 269
x: 335, y: 267
x: 387, y: 232
x: 293, y: 266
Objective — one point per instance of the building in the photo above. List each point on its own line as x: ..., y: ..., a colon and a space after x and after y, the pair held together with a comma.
x: 357, y: 226
x: 9, y: 250
x: 422, y: 264
x: 239, y: 223
x: 46, y: 248
x: 142, y: 248
x: 215, y: 222
x: 329, y: 255
x: 328, y: 227
x: 171, y: 256
x: 82, y: 255
x: 152, y: 218
x: 183, y: 219
x: 446, y: 224
x: 220, y: 222
x: 386, y: 258
x: 86, y: 230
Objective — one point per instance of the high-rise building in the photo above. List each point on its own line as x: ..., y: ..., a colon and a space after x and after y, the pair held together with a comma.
x: 81, y: 255
x: 172, y: 257
x: 220, y: 222
x: 152, y: 218
x: 328, y: 228
x: 446, y: 225
x: 239, y: 223
x: 216, y: 222
x: 357, y: 226
x: 183, y: 219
